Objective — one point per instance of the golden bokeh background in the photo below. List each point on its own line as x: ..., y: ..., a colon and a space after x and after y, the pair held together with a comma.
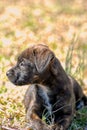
x: 61, y: 24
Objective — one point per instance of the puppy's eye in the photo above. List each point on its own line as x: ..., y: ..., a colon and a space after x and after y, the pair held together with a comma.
x: 21, y: 64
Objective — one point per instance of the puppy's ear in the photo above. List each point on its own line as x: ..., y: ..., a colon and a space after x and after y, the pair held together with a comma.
x: 56, y: 67
x: 42, y: 59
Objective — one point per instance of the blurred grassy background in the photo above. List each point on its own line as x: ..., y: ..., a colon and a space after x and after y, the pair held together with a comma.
x: 61, y: 24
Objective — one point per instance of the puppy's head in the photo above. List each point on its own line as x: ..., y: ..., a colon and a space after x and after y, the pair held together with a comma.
x: 32, y: 65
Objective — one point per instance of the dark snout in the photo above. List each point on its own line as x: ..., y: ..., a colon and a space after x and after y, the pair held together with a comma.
x: 17, y: 76
x: 10, y: 73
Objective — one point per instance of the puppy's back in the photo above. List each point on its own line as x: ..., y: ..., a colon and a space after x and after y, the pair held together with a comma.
x: 81, y: 99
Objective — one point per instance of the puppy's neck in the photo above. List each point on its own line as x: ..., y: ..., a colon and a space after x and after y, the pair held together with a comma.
x: 56, y: 81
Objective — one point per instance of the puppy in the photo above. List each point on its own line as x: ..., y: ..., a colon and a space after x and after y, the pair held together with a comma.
x: 52, y: 93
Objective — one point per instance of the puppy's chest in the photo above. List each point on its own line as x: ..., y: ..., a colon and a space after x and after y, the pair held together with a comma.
x: 48, y: 99
x: 44, y: 99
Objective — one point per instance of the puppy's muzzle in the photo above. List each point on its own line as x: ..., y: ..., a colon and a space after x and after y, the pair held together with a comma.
x: 10, y: 73
x: 11, y: 76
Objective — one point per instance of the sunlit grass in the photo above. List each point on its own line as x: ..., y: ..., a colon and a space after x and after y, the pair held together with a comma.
x: 54, y: 23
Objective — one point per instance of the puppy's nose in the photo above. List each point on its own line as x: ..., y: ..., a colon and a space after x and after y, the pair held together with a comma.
x: 9, y: 73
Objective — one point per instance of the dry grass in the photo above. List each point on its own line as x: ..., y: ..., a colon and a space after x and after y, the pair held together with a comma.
x: 55, y: 23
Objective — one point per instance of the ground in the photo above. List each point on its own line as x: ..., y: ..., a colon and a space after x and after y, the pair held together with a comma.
x: 62, y: 25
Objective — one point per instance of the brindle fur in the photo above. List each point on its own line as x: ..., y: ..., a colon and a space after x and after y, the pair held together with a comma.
x: 51, y: 91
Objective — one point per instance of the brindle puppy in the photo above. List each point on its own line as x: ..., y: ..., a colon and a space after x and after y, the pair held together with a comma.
x: 52, y: 93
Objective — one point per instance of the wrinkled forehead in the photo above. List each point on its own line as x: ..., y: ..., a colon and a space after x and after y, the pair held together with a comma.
x: 26, y: 54
x: 31, y: 52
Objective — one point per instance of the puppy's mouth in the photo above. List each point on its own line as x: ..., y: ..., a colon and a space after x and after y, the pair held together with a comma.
x: 19, y: 82
x: 17, y: 79
x: 14, y: 79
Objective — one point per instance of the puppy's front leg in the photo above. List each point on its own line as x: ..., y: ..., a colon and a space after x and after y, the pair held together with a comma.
x: 35, y: 123
x: 34, y: 108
